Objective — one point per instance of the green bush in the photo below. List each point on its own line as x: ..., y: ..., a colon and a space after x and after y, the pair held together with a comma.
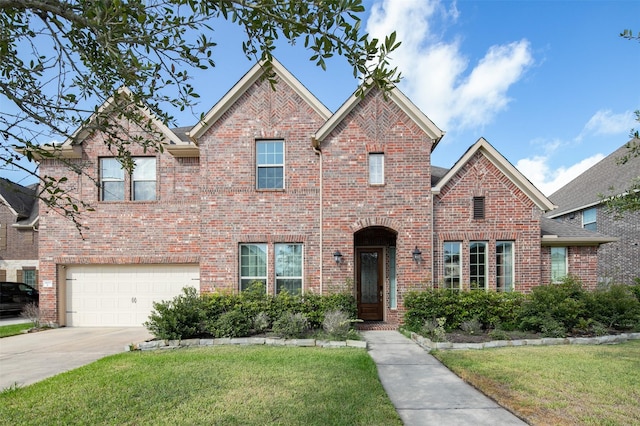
x: 434, y: 329
x: 489, y: 308
x: 183, y: 317
x: 291, y: 326
x: 552, y: 307
x: 261, y: 322
x: 233, y: 315
x: 615, y: 307
x: 232, y: 324
x: 337, y: 324
x: 635, y: 288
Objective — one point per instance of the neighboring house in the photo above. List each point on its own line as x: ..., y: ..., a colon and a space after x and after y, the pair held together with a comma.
x: 272, y: 187
x: 18, y: 233
x: 580, y: 204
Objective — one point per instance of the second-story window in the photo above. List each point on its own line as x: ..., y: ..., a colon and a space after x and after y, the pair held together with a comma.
x: 589, y: 219
x: 270, y: 164
x: 376, y: 169
x: 113, y: 179
x: 143, y: 179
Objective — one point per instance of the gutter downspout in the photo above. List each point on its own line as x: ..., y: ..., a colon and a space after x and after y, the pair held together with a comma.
x: 433, y: 251
x: 315, y: 145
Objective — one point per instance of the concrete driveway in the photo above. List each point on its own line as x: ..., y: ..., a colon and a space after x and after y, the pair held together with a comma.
x: 29, y: 358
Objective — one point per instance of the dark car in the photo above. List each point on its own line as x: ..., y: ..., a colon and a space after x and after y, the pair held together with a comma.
x: 15, y: 296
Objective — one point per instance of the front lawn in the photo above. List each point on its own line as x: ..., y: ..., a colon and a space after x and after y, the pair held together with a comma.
x: 559, y: 385
x: 253, y: 385
x: 13, y: 329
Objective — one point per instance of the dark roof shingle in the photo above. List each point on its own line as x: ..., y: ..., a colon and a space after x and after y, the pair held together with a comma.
x: 584, y: 190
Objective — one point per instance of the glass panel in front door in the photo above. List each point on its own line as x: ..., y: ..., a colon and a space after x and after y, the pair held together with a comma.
x: 369, y: 277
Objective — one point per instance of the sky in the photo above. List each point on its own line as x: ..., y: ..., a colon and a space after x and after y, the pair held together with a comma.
x: 550, y: 84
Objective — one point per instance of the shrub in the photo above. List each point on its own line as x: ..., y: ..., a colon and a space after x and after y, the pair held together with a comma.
x: 291, y: 325
x: 552, y: 307
x: 434, y: 329
x: 472, y: 326
x: 550, y: 327
x: 180, y: 318
x: 232, y: 324
x: 499, y: 334
x: 261, y: 322
x: 31, y: 312
x: 615, y: 307
x: 337, y: 324
x: 635, y: 288
x: 489, y: 308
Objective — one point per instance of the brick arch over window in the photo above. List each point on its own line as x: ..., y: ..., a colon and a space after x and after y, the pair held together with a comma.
x: 377, y: 222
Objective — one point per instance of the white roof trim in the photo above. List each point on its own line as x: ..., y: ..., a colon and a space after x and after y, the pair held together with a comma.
x: 504, y: 166
x: 555, y: 241
x: 398, y: 98
x: 79, y: 133
x: 574, y: 210
x: 243, y: 85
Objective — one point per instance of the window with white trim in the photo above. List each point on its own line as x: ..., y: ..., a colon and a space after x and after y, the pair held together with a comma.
x: 504, y: 266
x: 558, y: 264
x: 452, y: 262
x: 142, y: 180
x: 589, y: 219
x: 478, y: 265
x: 288, y: 267
x: 253, y: 265
x: 376, y: 168
x: 270, y: 164
x: 111, y: 180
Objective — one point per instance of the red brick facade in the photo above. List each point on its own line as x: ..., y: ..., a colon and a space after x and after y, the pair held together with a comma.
x: 510, y: 216
x: 18, y: 247
x: 208, y: 205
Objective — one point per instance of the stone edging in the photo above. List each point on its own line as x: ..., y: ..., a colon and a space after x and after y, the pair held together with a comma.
x: 429, y: 345
x: 271, y: 341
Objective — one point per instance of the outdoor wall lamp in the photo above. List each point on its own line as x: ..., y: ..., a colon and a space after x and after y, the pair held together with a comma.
x: 337, y: 256
x: 417, y: 255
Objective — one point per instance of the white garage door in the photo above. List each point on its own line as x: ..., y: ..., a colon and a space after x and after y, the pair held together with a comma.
x: 122, y: 295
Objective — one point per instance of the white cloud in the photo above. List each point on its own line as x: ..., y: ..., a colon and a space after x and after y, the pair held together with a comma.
x: 436, y: 72
x: 537, y: 170
x: 605, y: 122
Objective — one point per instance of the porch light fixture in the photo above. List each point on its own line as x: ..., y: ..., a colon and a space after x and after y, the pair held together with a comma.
x: 337, y: 256
x: 417, y: 255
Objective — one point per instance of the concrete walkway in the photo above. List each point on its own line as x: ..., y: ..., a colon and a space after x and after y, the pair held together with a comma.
x: 424, y: 391
x: 29, y: 358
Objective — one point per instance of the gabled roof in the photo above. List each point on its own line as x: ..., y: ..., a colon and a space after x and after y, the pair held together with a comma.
x: 255, y: 73
x: 396, y: 96
x: 19, y: 199
x: 437, y: 173
x: 489, y: 152
x: 71, y: 147
x: 557, y: 233
x: 583, y: 191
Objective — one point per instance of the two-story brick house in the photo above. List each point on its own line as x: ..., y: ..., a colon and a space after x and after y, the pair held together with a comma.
x: 272, y: 187
x: 580, y: 204
x: 18, y: 233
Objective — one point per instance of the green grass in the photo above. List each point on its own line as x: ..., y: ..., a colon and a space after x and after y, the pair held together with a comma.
x: 13, y: 329
x: 559, y: 385
x: 253, y: 385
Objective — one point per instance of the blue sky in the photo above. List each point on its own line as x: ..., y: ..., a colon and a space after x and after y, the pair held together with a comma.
x: 550, y: 84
